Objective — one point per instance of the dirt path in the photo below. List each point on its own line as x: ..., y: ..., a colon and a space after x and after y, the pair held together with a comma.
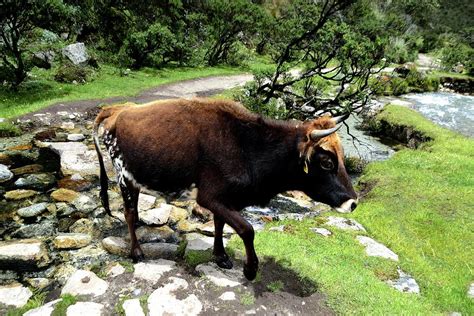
x: 200, y: 87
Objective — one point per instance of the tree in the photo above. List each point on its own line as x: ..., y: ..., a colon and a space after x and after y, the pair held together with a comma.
x: 19, y: 19
x: 325, y: 53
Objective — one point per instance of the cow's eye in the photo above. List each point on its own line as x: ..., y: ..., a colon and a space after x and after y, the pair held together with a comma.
x: 327, y: 164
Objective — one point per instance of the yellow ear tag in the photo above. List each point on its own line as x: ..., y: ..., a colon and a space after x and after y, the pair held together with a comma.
x: 305, y: 168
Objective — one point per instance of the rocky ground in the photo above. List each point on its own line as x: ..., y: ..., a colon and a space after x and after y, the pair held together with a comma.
x: 56, y: 238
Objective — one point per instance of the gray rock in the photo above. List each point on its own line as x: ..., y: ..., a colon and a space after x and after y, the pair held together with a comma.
x: 67, y: 125
x: 153, y: 270
x: 71, y: 241
x: 116, y: 246
x: 85, y: 308
x: 209, y: 230
x: 376, y: 249
x: 227, y: 296
x: 133, y: 307
x: 280, y: 228
x: 43, y: 229
x: 76, y: 53
x: 470, y: 292
x: 14, y: 295
x: 145, y: 202
x: 7, y: 276
x: 147, y: 234
x: 83, y: 226
x: 23, y: 254
x: 64, y: 209
x: 405, y: 283
x: 85, y: 204
x: 5, y: 173
x: 321, y: 231
x: 220, y: 277
x: 33, y: 210
x: 39, y: 182
x: 75, y: 137
x: 156, y: 216
x: 344, y: 223
x: 163, y: 300
x: 160, y: 250
x: 84, y: 282
x: 114, y: 269
x: 39, y: 283
x: 45, y: 310
x: 198, y: 242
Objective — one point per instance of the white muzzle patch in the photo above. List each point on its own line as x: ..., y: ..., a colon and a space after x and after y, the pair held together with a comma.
x: 346, y: 207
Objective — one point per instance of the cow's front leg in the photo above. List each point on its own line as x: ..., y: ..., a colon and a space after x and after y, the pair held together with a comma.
x: 243, y: 228
x: 220, y: 256
x: 130, y: 199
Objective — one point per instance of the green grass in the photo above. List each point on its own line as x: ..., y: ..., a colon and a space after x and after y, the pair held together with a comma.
x: 247, y: 299
x: 61, y: 307
x: 421, y: 207
x: 41, y: 90
x: 196, y: 257
x: 275, y: 286
x: 7, y: 129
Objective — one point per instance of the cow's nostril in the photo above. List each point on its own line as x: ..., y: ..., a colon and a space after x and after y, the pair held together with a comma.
x: 353, y: 205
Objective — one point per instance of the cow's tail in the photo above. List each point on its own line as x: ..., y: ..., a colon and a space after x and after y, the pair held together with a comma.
x: 104, y: 180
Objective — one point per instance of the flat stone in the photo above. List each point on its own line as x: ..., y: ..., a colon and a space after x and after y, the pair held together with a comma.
x: 163, y: 300
x: 227, y: 296
x: 198, y: 242
x: 77, y: 158
x: 133, y: 307
x: 84, y: 282
x: 85, y: 308
x: 71, y: 241
x: 45, y: 310
x: 38, y: 181
x: 39, y: 283
x: 159, y: 250
x: 85, y: 204
x: 153, y: 270
x: 321, y: 231
x: 115, y: 269
x: 376, y: 249
x: 45, y: 228
x: 470, y: 292
x: 67, y: 125
x: 145, y: 202
x: 405, y: 283
x: 64, y: 195
x: 185, y: 226
x: 14, y: 295
x: 155, y: 234
x: 5, y: 174
x: 209, y: 230
x: 23, y: 254
x: 156, y: 216
x: 220, y: 277
x: 34, y: 168
x: 116, y: 246
x: 344, y: 223
x: 19, y: 194
x: 83, y: 226
x: 177, y: 214
x: 33, y: 210
x: 75, y: 137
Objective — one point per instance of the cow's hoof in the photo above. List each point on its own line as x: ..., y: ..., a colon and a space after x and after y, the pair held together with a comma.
x: 137, y: 255
x: 250, y: 272
x: 224, y: 262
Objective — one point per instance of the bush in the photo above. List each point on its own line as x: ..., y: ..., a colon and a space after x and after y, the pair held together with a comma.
x: 69, y: 73
x: 455, y: 52
x: 398, y: 51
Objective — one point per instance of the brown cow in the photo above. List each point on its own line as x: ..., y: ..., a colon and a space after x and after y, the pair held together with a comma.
x: 234, y: 157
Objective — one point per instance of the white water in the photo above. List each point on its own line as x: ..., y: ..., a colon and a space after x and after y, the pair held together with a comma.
x: 450, y: 110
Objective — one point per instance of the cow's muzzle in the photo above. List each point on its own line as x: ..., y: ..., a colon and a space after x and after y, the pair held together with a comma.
x: 347, y: 207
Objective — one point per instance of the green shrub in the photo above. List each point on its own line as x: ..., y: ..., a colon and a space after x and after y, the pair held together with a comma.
x: 455, y: 52
x: 7, y: 129
x: 69, y: 73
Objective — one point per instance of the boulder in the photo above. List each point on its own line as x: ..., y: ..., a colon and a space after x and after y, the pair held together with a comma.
x: 145, y: 202
x: 83, y: 226
x: 83, y: 282
x: 76, y: 53
x: 160, y: 250
x: 45, y: 310
x: 43, y: 59
x: 32, y: 210
x: 15, y: 295
x: 116, y: 246
x: 177, y: 214
x: 146, y: 234
x: 198, y: 242
x: 5, y: 174
x: 43, y: 229
x: 85, y: 308
x: 71, y: 241
x: 132, y: 307
x: 24, y: 254
x: 84, y: 203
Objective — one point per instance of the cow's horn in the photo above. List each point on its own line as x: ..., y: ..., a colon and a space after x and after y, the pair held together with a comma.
x: 341, y: 118
x: 320, y: 133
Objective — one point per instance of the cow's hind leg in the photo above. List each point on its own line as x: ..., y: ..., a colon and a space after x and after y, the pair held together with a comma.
x: 220, y: 256
x: 130, y: 199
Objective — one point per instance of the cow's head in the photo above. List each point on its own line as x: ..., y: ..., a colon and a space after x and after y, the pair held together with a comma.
x: 322, y: 160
